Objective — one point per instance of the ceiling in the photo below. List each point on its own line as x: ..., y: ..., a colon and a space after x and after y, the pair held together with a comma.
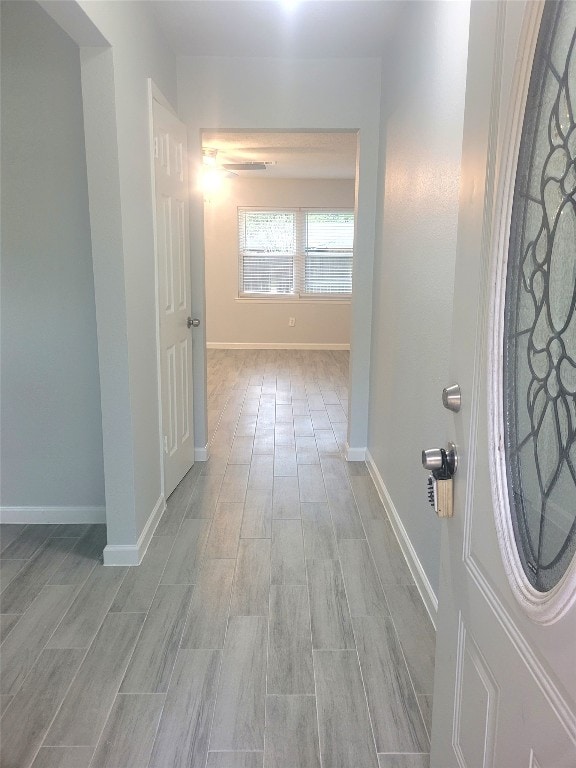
x: 291, y: 155
x: 277, y: 28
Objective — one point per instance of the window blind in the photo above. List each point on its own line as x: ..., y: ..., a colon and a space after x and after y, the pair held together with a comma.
x: 328, y: 252
x: 267, y: 251
x: 295, y: 252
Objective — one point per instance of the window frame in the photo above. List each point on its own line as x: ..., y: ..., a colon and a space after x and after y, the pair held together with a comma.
x: 299, y: 257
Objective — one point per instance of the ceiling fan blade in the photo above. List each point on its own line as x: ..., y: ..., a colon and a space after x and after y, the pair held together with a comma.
x: 249, y: 166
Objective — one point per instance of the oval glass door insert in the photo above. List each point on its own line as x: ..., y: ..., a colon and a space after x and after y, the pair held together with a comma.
x: 539, y: 373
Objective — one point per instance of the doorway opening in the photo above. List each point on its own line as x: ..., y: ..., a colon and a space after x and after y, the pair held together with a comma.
x: 279, y: 212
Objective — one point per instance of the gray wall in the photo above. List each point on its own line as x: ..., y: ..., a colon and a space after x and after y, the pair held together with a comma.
x: 261, y: 321
x: 121, y: 199
x: 422, y: 117
x: 51, y: 422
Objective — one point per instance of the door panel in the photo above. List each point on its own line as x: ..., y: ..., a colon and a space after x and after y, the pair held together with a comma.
x: 505, y: 684
x: 173, y: 270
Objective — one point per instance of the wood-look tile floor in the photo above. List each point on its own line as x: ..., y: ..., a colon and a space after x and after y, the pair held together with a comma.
x: 272, y: 622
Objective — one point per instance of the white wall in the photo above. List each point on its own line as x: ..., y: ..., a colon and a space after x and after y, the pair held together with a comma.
x: 233, y: 320
x: 423, y: 107
x: 51, y: 423
x: 228, y: 94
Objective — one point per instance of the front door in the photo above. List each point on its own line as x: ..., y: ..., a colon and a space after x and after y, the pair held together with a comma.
x: 173, y: 290
x: 505, y: 687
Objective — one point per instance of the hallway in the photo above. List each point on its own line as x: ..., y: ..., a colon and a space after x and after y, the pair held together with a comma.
x: 273, y: 621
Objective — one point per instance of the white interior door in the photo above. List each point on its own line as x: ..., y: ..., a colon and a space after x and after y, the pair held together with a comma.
x: 505, y: 686
x: 173, y: 283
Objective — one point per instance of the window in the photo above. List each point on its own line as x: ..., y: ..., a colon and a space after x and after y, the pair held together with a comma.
x: 295, y: 253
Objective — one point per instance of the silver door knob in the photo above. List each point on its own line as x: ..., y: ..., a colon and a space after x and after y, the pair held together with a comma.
x: 452, y: 398
x: 432, y: 458
x: 192, y: 322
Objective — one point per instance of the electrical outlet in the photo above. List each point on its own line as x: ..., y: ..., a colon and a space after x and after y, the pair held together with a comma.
x: 291, y: 322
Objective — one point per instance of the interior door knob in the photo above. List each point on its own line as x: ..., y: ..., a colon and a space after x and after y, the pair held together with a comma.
x: 192, y: 322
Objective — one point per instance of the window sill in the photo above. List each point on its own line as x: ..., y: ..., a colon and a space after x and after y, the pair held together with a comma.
x: 287, y: 300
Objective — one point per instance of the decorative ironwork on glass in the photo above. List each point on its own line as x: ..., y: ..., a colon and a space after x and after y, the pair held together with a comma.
x: 540, y: 312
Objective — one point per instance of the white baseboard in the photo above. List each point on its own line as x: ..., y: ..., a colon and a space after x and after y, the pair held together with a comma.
x: 53, y: 515
x: 132, y: 554
x: 355, y: 454
x: 201, y: 453
x: 272, y: 345
x: 424, y: 587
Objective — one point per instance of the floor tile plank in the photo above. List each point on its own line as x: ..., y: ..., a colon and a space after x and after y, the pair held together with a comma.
x: 404, y: 761
x: 345, y: 516
x: 151, y: 665
x: 239, y: 713
x: 9, y: 569
x: 26, y: 585
x: 285, y: 461
x: 30, y: 713
x: 129, y: 732
x: 28, y: 542
x: 306, y: 450
x: 86, y: 554
x: 286, y: 498
x: 183, y: 733
x: 289, y: 643
x: 9, y: 532
x: 63, y: 757
x: 184, y: 561
x: 204, y: 497
x: 390, y: 562
x: 367, y: 499
x: 396, y: 718
x: 319, y: 537
x: 235, y: 482
x: 87, y: 704
x: 139, y: 585
x: 235, y: 760
x: 28, y: 639
x: 210, y: 605
x: 287, y: 556
x: 252, y: 581
x: 344, y: 725
x: 75, y: 530
x: 363, y: 589
x: 225, y: 531
x: 257, y: 520
x: 331, y: 624
x: 7, y: 623
x: 261, y: 472
x: 416, y: 635
x: 84, y: 617
x: 291, y: 732
x: 311, y: 483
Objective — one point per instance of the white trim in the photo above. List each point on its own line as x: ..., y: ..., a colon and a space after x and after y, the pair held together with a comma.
x: 424, y: 587
x: 246, y: 299
x: 355, y: 454
x: 272, y: 345
x: 53, y: 515
x: 132, y: 554
x: 201, y: 453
